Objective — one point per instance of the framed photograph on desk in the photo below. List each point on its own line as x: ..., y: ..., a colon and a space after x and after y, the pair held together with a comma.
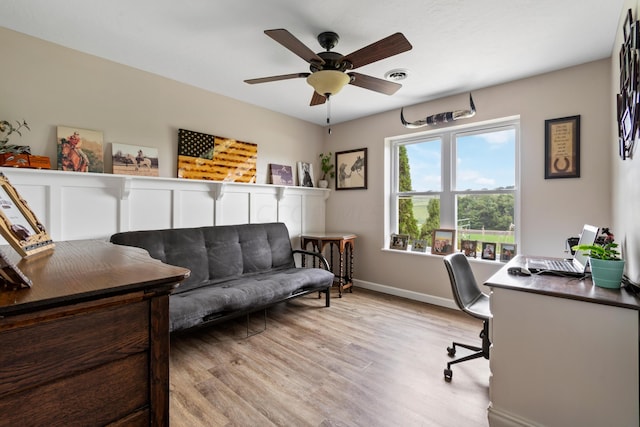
x: 18, y: 224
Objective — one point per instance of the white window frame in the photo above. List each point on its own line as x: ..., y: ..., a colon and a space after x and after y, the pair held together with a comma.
x: 448, y: 193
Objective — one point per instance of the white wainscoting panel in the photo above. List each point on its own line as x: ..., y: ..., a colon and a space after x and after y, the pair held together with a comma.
x: 74, y: 205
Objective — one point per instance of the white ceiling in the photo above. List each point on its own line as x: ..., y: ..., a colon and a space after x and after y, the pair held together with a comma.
x: 458, y: 45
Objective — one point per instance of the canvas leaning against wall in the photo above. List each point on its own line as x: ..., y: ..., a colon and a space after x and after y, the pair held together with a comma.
x: 80, y: 150
x: 134, y: 160
x: 209, y: 157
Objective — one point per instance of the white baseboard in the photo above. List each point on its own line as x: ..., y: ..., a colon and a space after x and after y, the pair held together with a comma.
x: 416, y: 296
x: 498, y: 418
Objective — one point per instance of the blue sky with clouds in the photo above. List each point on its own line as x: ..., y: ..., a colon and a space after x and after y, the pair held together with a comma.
x: 484, y: 161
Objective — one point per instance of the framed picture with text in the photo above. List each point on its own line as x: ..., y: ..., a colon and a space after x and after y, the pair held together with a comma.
x: 562, y: 148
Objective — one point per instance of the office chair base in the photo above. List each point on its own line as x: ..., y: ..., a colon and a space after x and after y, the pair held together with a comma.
x: 478, y: 351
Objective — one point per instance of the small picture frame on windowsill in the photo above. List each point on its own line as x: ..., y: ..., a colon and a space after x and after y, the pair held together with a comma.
x: 488, y: 251
x: 443, y: 241
x: 399, y: 242
x: 507, y: 251
x: 469, y: 248
x: 419, y: 245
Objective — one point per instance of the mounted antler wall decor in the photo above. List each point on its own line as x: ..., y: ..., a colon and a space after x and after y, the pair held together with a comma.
x: 439, y: 118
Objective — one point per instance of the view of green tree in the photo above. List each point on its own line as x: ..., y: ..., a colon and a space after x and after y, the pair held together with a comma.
x: 407, y: 223
x: 488, y: 212
x: 433, y: 220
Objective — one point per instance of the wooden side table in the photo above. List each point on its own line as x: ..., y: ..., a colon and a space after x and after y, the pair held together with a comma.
x: 345, y: 243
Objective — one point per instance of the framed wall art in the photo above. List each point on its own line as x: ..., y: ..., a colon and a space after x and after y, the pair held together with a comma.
x: 443, y: 241
x: 281, y: 174
x: 80, y: 150
x: 351, y: 169
x: 562, y: 148
x: 18, y: 224
x: 305, y: 174
x: 628, y: 107
x: 210, y: 157
x: 134, y: 160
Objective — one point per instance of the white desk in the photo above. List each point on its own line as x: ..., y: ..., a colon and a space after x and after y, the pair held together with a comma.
x: 564, y: 352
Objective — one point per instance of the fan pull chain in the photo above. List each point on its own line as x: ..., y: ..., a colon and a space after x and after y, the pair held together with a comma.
x: 329, y: 113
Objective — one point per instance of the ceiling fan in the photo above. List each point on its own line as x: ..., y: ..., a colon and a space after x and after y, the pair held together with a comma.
x: 331, y: 71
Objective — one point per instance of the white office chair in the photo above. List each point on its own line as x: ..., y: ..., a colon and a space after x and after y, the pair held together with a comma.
x: 472, y: 301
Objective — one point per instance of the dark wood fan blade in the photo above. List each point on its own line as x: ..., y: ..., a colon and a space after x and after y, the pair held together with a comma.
x: 288, y: 40
x: 389, y: 46
x: 317, y: 99
x: 276, y: 78
x: 374, y: 83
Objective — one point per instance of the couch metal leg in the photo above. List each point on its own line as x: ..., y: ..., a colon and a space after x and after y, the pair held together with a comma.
x: 264, y: 314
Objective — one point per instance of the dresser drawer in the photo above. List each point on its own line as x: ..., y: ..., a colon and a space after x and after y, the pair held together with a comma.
x: 96, y: 397
x: 42, y: 352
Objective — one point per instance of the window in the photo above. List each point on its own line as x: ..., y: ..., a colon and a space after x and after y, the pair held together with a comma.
x: 461, y: 177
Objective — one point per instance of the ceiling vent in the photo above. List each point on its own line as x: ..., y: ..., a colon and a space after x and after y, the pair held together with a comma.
x: 396, y: 75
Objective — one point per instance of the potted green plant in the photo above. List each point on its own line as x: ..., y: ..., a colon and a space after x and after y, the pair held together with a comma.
x: 12, y: 155
x: 6, y: 129
x: 606, y: 264
x: 327, y: 170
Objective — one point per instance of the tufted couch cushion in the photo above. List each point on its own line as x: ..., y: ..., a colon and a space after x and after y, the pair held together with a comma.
x: 234, y: 269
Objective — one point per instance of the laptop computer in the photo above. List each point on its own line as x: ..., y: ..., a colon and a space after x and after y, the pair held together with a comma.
x: 575, y: 266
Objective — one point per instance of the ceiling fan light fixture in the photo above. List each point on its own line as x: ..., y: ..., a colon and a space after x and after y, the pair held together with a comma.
x: 328, y: 82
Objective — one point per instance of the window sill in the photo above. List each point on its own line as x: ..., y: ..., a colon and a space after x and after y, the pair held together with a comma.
x: 429, y: 254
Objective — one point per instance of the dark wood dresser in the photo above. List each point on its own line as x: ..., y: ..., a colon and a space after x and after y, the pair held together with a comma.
x: 88, y: 343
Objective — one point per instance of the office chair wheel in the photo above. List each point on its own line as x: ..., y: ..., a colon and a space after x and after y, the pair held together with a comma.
x: 451, y: 351
x: 447, y: 375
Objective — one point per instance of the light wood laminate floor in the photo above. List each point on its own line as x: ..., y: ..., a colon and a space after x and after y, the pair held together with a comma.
x: 368, y: 360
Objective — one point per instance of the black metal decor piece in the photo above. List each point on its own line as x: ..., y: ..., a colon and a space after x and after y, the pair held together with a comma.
x: 628, y: 100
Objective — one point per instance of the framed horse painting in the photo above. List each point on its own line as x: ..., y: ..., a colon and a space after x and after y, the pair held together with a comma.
x: 134, y: 160
x: 352, y: 169
x: 80, y: 150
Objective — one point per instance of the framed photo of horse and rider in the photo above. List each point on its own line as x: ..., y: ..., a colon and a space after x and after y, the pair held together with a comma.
x: 80, y: 150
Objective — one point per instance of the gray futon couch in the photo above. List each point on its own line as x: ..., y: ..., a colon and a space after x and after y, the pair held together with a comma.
x: 235, y: 269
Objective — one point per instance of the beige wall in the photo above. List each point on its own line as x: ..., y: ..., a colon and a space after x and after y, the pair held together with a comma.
x: 48, y: 85
x: 551, y: 210
x: 626, y: 174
